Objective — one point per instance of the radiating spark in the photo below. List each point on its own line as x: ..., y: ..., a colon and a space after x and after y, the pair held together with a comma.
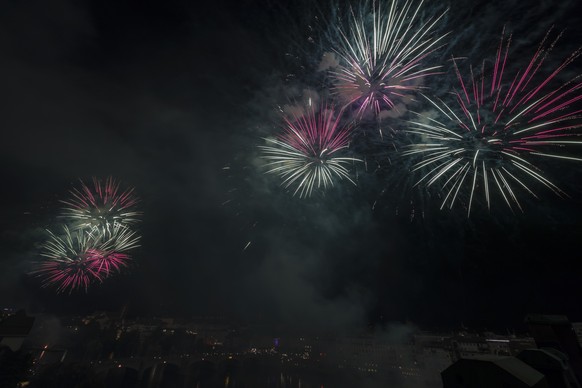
x: 382, y: 57
x: 113, y: 248
x: 307, y: 154
x: 500, y: 125
x: 118, y: 239
x: 104, y: 206
x: 109, y: 262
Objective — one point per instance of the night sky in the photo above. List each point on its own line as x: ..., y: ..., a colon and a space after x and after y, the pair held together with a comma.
x: 174, y: 98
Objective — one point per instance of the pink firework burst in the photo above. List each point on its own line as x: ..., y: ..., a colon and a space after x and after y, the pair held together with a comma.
x: 500, y: 126
x: 105, y: 263
x: 102, y: 206
x: 67, y: 274
x: 308, y: 153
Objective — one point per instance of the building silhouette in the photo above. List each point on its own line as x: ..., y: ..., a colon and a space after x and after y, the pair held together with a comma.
x: 14, y: 329
x: 492, y: 371
x: 556, y: 332
x: 555, y: 363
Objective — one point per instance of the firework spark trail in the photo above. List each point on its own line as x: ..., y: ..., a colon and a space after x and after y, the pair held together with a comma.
x: 306, y: 153
x: 383, y: 61
x: 102, y: 206
x: 500, y: 125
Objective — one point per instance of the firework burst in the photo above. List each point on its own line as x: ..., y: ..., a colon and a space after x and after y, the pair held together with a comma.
x: 69, y: 261
x: 382, y: 54
x: 499, y: 127
x: 104, y: 206
x: 307, y: 154
x: 77, y: 259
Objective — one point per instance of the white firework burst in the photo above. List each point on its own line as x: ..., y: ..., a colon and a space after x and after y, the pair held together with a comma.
x: 382, y: 54
x: 499, y: 126
x: 308, y: 154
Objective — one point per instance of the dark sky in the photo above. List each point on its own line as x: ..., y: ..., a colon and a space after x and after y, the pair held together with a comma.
x: 173, y: 98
